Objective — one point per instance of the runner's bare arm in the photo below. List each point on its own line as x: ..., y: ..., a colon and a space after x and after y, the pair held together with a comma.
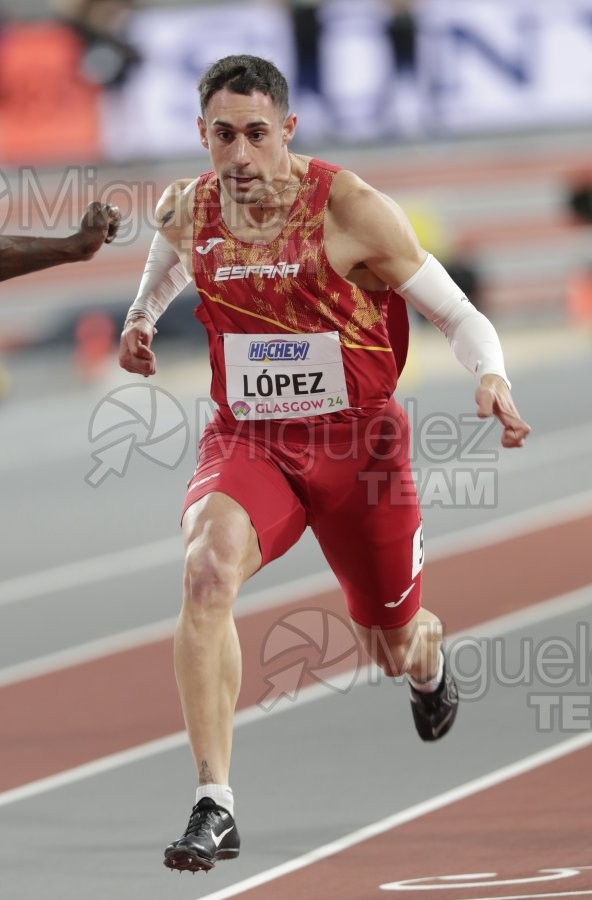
x: 165, y: 276
x: 20, y: 254
x: 174, y: 214
x: 381, y: 237
x: 373, y: 230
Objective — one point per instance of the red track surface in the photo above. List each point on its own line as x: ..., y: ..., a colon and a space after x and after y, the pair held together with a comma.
x: 518, y: 829
x: 511, y: 829
x: 83, y: 712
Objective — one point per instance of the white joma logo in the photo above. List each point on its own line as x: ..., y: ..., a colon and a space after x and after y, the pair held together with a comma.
x: 209, y: 245
x: 398, y: 602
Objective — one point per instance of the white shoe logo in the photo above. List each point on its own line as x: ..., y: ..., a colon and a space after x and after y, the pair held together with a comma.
x: 217, y: 839
x: 437, y: 729
x: 398, y: 602
x: 209, y: 245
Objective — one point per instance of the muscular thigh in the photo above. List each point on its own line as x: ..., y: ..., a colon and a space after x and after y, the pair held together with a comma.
x: 217, y: 529
x: 249, y: 477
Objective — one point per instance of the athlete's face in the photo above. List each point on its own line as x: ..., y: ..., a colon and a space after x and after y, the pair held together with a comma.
x: 247, y: 137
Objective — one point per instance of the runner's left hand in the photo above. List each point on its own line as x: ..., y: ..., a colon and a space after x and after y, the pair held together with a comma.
x: 495, y: 399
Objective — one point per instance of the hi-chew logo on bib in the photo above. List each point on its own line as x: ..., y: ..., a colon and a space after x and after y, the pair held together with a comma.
x: 266, y: 351
x: 274, y: 376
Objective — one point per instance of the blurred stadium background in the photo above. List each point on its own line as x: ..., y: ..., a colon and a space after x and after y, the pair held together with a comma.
x: 476, y: 117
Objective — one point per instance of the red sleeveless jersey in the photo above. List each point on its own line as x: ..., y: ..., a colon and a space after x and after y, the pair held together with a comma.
x: 288, y: 286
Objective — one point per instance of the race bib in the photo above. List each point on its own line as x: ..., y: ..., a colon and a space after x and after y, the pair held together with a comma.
x: 279, y: 376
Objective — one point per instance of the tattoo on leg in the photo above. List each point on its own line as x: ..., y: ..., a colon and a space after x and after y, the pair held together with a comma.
x: 205, y: 774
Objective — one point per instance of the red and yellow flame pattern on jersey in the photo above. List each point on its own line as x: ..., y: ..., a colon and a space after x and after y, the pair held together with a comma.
x: 289, y: 286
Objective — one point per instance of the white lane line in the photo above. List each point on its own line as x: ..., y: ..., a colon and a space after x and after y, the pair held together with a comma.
x: 298, y: 590
x: 564, y: 604
x: 133, y: 755
x: 339, y: 684
x: 513, y: 770
x: 484, y: 879
x: 96, y: 767
x: 169, y: 550
x: 448, y: 545
x: 546, y: 449
x: 87, y: 652
x: 90, y: 571
x: 541, y: 449
x: 495, y: 531
x: 131, y: 639
x: 70, y: 441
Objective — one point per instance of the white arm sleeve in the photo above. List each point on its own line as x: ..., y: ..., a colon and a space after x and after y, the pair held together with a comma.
x: 474, y: 340
x: 164, y: 278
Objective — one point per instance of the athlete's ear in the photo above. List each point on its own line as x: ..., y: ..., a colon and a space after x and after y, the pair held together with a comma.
x: 288, y: 128
x: 202, y: 132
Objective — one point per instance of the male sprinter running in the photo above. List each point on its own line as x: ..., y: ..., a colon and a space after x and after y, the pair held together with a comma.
x: 296, y: 263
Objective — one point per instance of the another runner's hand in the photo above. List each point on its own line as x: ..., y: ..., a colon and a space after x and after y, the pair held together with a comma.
x: 98, y: 226
x: 135, y: 354
x: 494, y: 399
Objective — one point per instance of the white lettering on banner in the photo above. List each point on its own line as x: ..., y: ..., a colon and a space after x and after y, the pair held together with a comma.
x: 271, y: 376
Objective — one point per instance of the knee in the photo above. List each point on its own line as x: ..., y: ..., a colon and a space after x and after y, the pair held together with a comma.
x: 210, y: 582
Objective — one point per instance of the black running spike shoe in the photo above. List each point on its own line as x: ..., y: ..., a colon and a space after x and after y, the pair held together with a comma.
x: 434, y: 713
x: 210, y: 835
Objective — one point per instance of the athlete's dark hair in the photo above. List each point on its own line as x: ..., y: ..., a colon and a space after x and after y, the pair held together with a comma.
x: 243, y: 75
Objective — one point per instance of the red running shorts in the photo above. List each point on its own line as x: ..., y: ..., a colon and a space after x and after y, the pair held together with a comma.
x: 350, y: 481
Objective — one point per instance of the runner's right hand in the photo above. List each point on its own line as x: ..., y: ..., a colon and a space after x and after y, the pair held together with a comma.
x: 135, y: 354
